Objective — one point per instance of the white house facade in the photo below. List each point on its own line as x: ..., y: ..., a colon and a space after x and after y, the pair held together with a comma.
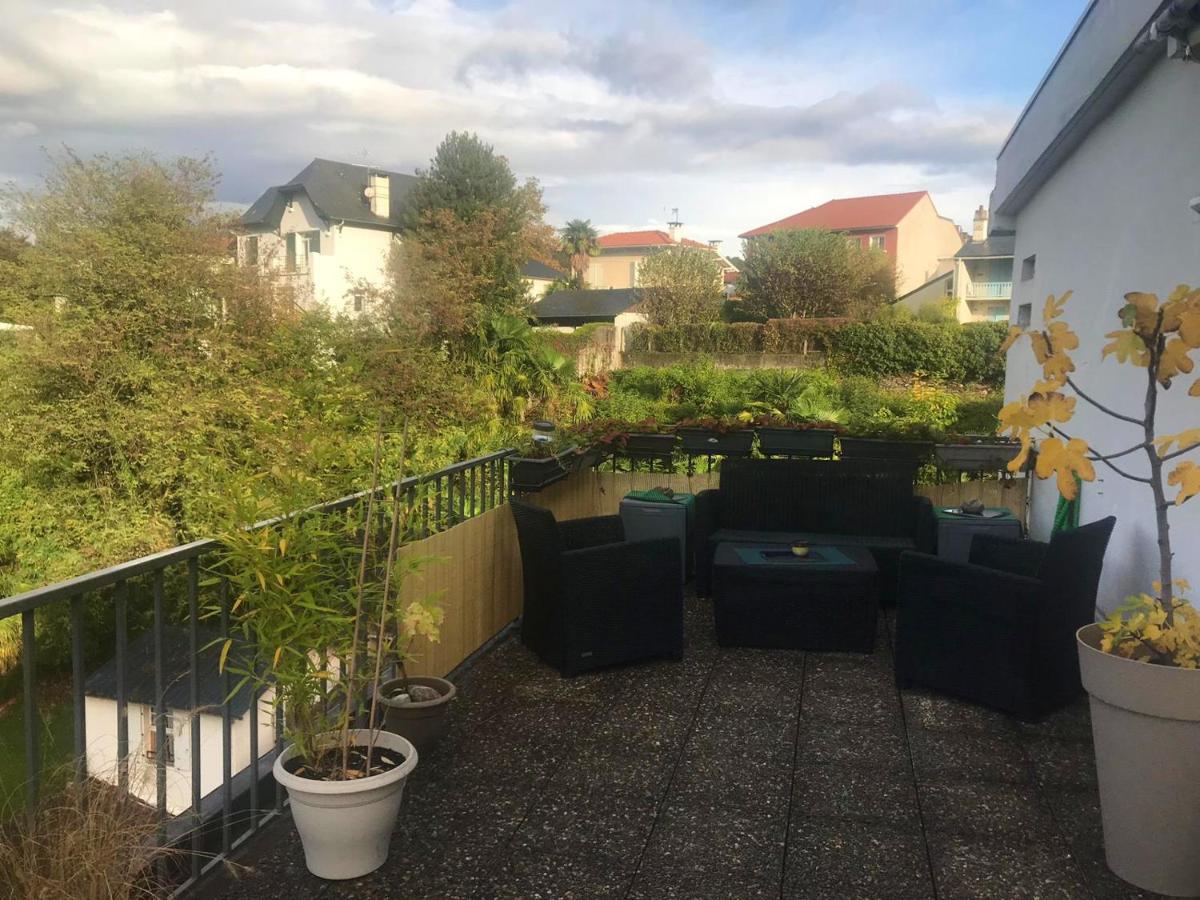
x: 177, y: 750
x: 1095, y: 186
x: 326, y: 231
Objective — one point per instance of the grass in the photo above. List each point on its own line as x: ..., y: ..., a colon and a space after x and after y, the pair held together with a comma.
x: 56, y: 731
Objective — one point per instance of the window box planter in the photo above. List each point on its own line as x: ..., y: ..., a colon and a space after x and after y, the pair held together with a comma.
x: 880, y: 448
x: 650, y: 446
x: 984, y: 455
x: 795, y: 441
x: 528, y: 475
x: 706, y: 442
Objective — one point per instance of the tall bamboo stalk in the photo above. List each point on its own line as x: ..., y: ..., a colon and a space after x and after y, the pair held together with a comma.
x: 352, y: 670
x: 393, y: 540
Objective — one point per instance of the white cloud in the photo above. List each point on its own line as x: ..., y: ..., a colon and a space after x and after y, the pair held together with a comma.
x: 621, y: 113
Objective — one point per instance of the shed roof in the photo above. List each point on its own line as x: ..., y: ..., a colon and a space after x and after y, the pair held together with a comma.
x: 569, y: 306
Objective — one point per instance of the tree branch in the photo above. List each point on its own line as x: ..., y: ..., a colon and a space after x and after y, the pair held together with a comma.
x: 1179, y: 452
x: 1100, y: 406
x: 1095, y: 457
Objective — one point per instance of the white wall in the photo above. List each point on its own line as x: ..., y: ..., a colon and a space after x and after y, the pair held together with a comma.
x: 347, y: 254
x: 1115, y: 218
x: 101, y: 724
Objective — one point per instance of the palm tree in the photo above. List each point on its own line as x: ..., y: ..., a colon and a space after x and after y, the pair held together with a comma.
x: 579, y: 241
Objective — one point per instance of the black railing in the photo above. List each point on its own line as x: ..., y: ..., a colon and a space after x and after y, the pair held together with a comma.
x: 217, y: 822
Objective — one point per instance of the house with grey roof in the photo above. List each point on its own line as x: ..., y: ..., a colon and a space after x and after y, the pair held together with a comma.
x: 326, y: 231
x: 976, y: 282
x: 538, y: 277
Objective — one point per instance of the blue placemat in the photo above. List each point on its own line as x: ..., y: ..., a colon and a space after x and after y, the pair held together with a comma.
x: 771, y: 556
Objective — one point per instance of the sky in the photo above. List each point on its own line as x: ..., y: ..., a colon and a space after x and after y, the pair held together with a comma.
x: 735, y: 113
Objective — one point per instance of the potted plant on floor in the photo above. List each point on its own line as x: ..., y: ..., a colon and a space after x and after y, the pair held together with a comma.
x: 415, y: 706
x: 1140, y: 663
x: 312, y: 609
x: 542, y: 461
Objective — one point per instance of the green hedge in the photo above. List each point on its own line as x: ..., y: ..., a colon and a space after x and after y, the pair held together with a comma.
x: 965, y: 353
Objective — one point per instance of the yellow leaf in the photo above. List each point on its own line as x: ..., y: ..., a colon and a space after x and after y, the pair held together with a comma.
x: 1127, y: 346
x: 1054, y: 308
x: 262, y: 580
x: 1062, y: 338
x: 1065, y: 461
x: 1174, y: 360
x: 224, y: 655
x: 1141, y: 311
x: 1014, y: 333
x: 283, y: 546
x: 1187, y: 476
x: 1194, y: 390
x: 1184, y: 439
x: 278, y: 654
x: 1189, y: 324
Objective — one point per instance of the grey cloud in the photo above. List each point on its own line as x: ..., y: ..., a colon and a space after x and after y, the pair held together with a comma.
x: 656, y: 66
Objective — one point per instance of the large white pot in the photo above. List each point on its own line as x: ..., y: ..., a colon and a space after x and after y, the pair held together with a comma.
x: 1146, y: 727
x: 346, y: 826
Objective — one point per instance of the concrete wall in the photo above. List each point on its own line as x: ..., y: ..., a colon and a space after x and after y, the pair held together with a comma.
x: 924, y: 240
x: 101, y: 723
x: 1115, y: 218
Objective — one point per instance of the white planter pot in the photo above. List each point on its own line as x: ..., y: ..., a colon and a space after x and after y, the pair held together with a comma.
x: 346, y: 826
x: 1146, y: 727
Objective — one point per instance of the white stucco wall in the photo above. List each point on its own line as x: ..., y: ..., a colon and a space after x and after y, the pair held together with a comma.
x: 347, y: 254
x: 101, y: 724
x: 1115, y: 218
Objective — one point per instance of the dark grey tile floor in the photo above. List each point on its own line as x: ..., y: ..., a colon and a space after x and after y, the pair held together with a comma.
x: 735, y: 773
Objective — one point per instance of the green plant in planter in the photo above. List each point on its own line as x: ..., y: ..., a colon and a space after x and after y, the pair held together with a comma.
x: 314, y: 618
x: 1158, y: 337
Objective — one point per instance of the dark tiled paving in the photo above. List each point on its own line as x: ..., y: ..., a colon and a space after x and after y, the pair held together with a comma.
x: 734, y: 773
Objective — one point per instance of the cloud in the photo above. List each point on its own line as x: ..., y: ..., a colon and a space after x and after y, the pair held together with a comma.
x: 618, y: 110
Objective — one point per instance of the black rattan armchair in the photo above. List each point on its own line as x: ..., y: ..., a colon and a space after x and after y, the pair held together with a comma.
x: 592, y: 598
x: 1000, y: 629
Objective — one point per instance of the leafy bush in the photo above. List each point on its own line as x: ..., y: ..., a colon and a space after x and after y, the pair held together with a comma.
x: 882, y: 347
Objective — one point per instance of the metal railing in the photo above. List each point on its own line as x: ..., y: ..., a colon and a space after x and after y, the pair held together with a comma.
x: 211, y: 827
x: 989, y: 290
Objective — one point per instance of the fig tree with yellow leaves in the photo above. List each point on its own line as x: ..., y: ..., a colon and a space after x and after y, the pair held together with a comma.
x: 1159, y: 337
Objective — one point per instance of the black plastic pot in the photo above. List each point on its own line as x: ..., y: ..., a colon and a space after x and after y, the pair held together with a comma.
x: 650, y: 446
x: 422, y: 723
x: 796, y: 441
x: 984, y: 456
x: 706, y: 442
x: 877, y: 448
x: 528, y: 475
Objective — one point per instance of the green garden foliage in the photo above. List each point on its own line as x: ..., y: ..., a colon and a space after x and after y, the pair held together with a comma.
x: 968, y: 354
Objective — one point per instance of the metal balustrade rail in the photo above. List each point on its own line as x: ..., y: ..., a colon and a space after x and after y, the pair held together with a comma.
x: 216, y: 823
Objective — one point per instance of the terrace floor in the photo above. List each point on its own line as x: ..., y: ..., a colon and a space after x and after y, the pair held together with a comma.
x: 735, y: 773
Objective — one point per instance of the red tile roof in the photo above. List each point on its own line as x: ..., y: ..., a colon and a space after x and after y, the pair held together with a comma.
x: 635, y: 239
x: 652, y: 238
x: 880, y: 211
x: 731, y: 276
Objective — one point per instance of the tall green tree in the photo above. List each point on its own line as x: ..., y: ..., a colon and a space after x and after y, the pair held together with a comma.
x: 810, y: 273
x: 678, y: 285
x: 579, y: 243
x: 470, y: 226
x: 12, y: 245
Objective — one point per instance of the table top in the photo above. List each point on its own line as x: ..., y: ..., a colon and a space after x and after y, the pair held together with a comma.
x: 992, y: 514
x: 823, y: 558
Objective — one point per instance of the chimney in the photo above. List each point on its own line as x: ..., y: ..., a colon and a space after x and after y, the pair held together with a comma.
x: 378, y: 194
x: 674, y: 225
x: 979, y: 231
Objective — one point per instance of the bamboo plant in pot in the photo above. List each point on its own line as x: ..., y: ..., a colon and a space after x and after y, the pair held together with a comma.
x: 312, y: 607
x: 1140, y: 663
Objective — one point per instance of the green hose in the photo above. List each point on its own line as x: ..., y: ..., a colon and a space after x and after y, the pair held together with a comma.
x: 1066, y: 514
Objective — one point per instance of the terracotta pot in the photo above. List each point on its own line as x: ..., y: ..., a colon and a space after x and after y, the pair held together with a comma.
x: 421, y: 723
x: 1146, y: 728
x: 345, y: 827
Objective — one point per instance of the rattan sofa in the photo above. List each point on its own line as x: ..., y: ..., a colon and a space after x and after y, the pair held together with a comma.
x: 864, y: 503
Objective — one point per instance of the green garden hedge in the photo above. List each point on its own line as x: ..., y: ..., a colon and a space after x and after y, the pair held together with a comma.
x: 965, y: 353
